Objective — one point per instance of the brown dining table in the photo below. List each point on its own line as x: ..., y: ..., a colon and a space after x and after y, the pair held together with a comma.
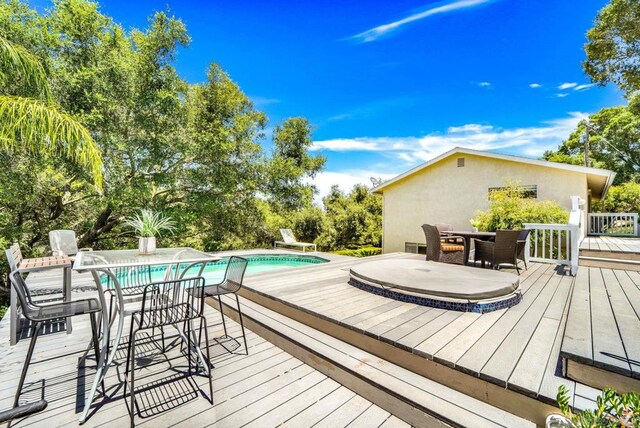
x: 468, y: 236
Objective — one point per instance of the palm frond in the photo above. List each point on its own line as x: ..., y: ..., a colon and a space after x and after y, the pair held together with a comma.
x: 19, y: 65
x: 38, y: 126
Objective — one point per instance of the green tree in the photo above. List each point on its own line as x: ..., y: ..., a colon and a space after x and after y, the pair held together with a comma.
x: 352, y: 220
x: 614, y: 143
x: 291, y: 165
x: 613, y: 47
x: 38, y: 125
x: 624, y: 198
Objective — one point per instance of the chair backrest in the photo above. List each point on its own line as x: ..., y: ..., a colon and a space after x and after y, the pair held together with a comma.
x: 132, y: 279
x: 524, y: 234
x: 443, y: 227
x: 63, y: 242
x: 288, y: 236
x: 432, y: 236
x: 14, y: 256
x: 505, y: 245
x: 22, y: 291
x: 234, y: 274
x: 170, y: 302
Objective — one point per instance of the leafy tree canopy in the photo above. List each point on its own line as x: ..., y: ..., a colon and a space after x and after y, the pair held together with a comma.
x: 613, y: 47
x: 614, y: 143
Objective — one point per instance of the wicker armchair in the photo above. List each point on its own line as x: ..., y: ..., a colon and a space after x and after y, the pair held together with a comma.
x: 451, y: 251
x: 502, y: 250
x: 522, y: 245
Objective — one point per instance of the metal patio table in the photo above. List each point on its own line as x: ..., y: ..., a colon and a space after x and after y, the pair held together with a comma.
x: 103, y: 263
x: 468, y: 236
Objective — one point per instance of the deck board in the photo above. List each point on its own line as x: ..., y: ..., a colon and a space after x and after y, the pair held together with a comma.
x: 608, y: 349
x: 276, y: 386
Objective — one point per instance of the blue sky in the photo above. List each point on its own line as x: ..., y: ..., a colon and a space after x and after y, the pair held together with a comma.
x: 389, y: 85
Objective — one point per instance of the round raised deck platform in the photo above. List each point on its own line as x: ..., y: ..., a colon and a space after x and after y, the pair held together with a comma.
x: 439, y: 285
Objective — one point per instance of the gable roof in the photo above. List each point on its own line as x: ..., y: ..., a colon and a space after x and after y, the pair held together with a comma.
x: 603, y: 174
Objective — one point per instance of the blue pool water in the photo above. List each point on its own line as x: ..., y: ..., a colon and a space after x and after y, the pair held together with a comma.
x: 214, y: 272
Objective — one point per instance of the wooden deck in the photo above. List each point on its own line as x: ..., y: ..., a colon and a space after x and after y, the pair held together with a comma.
x: 509, y: 358
x: 603, y: 328
x: 268, y: 387
x: 611, y: 244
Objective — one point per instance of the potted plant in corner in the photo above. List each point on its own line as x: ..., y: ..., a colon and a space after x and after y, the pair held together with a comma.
x: 148, y: 225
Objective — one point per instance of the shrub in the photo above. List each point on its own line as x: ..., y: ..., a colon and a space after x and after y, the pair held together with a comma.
x: 624, y: 198
x: 360, y: 252
x: 613, y: 409
x: 510, y: 209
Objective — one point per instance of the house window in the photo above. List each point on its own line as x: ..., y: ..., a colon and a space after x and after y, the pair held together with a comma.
x: 530, y: 191
x: 460, y: 162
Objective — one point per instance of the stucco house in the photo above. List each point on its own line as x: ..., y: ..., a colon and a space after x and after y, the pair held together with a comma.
x: 452, y: 187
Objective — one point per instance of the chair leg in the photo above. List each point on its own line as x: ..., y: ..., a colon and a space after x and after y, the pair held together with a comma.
x: 244, y: 336
x: 209, y: 367
x: 35, y: 331
x: 132, y: 394
x: 96, y: 348
x: 131, y: 338
x: 189, y: 344
x: 224, y: 325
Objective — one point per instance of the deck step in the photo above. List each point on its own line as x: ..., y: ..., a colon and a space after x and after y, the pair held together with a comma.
x: 600, y: 347
x: 610, y: 262
x: 413, y: 398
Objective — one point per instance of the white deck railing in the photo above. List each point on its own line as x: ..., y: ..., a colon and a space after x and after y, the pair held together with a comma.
x: 613, y: 224
x: 554, y: 243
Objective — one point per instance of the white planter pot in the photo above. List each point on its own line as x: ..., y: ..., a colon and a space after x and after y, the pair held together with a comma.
x: 147, y: 245
x: 558, y: 421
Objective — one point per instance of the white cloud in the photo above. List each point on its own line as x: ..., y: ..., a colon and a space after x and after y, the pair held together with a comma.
x: 535, y: 85
x: 529, y: 141
x: 262, y: 101
x: 376, y: 32
x: 561, y: 95
x: 470, y: 127
x: 345, y: 180
x: 584, y: 87
x: 484, y: 84
x: 567, y: 85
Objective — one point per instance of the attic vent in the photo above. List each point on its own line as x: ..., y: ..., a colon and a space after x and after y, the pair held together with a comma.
x: 460, y: 162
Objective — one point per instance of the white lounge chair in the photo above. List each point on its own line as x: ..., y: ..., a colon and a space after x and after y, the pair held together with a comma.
x: 289, y: 239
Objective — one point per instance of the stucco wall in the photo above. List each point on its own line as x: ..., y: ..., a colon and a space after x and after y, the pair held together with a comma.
x: 445, y: 193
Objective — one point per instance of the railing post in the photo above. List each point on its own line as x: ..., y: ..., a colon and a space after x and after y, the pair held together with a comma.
x: 574, y: 232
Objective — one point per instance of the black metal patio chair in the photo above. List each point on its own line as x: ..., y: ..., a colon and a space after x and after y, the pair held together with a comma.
x: 169, y: 303
x: 39, y: 314
x: 231, y: 284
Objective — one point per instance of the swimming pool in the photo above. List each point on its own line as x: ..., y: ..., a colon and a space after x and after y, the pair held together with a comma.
x: 214, y: 272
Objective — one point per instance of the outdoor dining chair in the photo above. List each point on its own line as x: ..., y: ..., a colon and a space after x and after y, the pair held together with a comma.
x: 522, y: 246
x: 39, y: 314
x: 451, y: 251
x: 169, y: 303
x: 63, y: 243
x: 501, y: 251
x: 231, y: 284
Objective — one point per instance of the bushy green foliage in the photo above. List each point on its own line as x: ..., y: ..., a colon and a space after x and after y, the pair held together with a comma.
x: 509, y: 209
x: 614, y: 143
x: 624, y: 198
x: 613, y: 48
x: 360, y: 252
x: 192, y: 151
x: 612, y: 409
x: 352, y: 220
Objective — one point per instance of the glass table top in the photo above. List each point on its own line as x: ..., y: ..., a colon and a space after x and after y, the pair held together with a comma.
x: 118, y: 258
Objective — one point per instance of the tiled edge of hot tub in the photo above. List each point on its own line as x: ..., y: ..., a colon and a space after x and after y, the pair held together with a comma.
x: 461, y: 306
